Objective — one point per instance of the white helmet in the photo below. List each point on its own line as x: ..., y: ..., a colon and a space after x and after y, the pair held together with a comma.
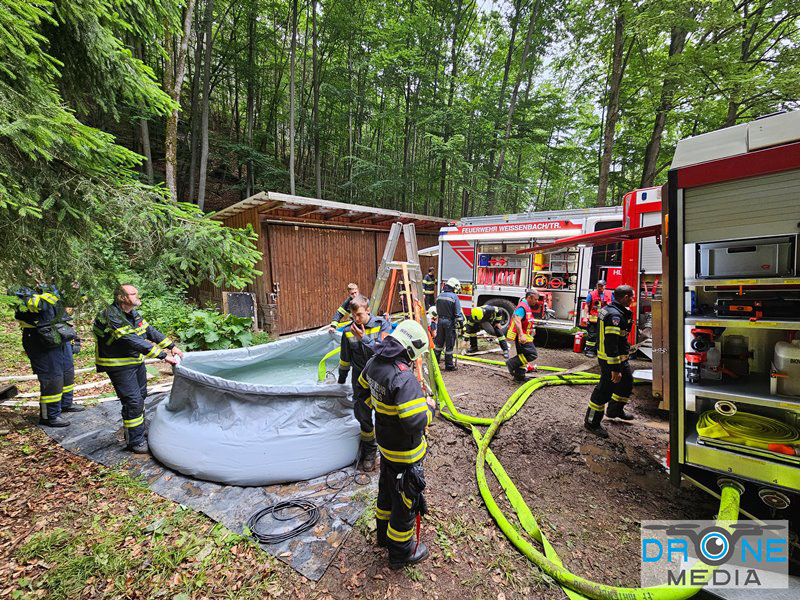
x: 432, y: 312
x: 454, y: 283
x: 413, y: 338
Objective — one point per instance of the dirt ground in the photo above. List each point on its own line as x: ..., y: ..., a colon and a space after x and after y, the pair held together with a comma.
x: 588, y: 495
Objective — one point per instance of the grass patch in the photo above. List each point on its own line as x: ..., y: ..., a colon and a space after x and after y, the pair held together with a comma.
x: 366, y: 522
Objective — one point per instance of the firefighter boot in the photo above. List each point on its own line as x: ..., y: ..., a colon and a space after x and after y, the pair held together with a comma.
x: 504, y: 347
x: 54, y: 422
x: 140, y: 448
x: 368, y: 454
x: 616, y: 410
x: 414, y: 556
x: 592, y: 422
x: 449, y: 363
x: 514, y: 366
x: 382, y: 527
x: 438, y: 355
x: 72, y: 408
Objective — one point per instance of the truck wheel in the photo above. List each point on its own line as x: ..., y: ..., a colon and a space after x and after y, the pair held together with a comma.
x: 506, y: 309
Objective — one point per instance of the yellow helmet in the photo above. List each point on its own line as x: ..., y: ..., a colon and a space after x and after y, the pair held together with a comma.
x: 477, y: 313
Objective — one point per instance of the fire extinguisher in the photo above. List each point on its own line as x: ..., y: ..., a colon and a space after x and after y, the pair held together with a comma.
x: 578, y: 342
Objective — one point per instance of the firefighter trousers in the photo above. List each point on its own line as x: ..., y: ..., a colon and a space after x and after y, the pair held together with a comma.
x: 130, y: 385
x: 55, y: 371
x: 395, y: 517
x: 471, y: 333
x: 445, y: 340
x: 592, y: 330
x: 606, y: 392
x: 526, y: 353
x: 429, y: 300
x: 363, y: 413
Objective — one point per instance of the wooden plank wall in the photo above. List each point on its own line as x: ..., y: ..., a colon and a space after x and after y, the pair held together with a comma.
x: 312, y: 267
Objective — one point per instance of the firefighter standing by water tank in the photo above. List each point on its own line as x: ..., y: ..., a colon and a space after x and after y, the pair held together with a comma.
x: 124, y: 340
x: 429, y: 288
x: 402, y: 414
x: 595, y: 300
x: 613, y: 391
x: 448, y: 309
x: 522, y: 330
x: 343, y: 312
x: 49, y: 341
x: 491, y: 316
x: 358, y: 345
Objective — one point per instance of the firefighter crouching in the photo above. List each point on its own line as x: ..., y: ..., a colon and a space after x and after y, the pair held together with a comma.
x: 616, y: 379
x: 402, y: 415
x: 124, y: 340
x: 358, y: 345
x: 490, y: 315
x: 343, y: 312
x: 595, y: 300
x: 522, y: 331
x: 429, y: 288
x: 448, y: 309
x: 49, y: 341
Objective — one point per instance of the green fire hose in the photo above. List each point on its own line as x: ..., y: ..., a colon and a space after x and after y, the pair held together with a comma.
x: 574, y: 586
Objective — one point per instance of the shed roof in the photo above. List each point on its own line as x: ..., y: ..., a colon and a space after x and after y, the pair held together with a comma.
x: 285, y: 207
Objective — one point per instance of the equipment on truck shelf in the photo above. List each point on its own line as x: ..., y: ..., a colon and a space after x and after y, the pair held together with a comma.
x: 758, y: 308
x: 758, y: 257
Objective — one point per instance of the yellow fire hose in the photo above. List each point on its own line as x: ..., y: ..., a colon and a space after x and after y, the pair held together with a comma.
x: 548, y: 561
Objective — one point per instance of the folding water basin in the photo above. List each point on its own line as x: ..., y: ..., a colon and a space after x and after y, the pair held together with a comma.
x: 256, y: 416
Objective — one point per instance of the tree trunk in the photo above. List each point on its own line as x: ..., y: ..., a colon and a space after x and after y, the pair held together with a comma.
x: 315, y: 109
x: 448, y: 128
x: 612, y: 114
x: 201, y: 187
x: 174, y: 71
x: 251, y: 95
x: 195, y: 121
x: 500, y: 103
x: 148, y: 163
x: 676, y: 45
x: 291, y: 96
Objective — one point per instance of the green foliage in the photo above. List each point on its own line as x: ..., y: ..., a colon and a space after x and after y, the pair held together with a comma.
x: 72, y: 209
x: 211, y: 330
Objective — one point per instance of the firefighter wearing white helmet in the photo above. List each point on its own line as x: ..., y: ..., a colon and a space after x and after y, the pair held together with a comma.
x: 433, y: 320
x: 402, y: 414
x: 491, y: 316
x: 448, y: 308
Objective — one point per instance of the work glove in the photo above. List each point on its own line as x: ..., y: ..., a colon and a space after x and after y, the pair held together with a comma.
x: 76, y: 345
x: 342, y: 376
x: 411, y: 483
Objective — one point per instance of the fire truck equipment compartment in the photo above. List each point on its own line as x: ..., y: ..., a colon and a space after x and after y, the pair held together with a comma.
x: 256, y: 416
x: 763, y: 257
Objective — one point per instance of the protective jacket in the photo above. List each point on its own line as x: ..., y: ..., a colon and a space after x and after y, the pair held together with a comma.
x: 491, y: 314
x: 356, y: 352
x: 388, y: 385
x: 43, y: 317
x: 342, y: 313
x: 429, y: 285
x: 595, y: 301
x: 615, y: 325
x: 124, y: 340
x: 527, y: 319
x: 448, y: 306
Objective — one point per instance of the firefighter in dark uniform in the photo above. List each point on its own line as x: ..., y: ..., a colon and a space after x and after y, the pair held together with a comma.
x: 490, y: 315
x: 49, y: 341
x: 448, y: 309
x: 358, y: 346
x: 402, y: 415
x: 343, y: 312
x: 595, y: 300
x: 124, y: 340
x: 616, y: 379
x: 429, y: 288
x: 522, y: 331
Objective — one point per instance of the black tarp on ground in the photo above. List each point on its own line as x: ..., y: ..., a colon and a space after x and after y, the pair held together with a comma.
x: 97, y: 435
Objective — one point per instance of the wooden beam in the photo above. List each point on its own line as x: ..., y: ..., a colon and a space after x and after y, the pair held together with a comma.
x: 334, y: 214
x: 269, y: 207
x: 305, y: 211
x: 367, y: 217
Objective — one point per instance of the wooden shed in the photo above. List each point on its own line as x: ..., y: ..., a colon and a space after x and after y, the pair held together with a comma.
x: 312, y: 249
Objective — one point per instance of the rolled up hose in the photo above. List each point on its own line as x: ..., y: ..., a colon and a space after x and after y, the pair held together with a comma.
x: 750, y: 430
x: 548, y: 561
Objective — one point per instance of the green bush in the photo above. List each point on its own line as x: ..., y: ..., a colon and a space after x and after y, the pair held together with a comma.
x: 210, y: 330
